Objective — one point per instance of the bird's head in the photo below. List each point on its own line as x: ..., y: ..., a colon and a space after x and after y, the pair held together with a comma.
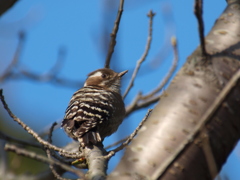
x: 105, y: 78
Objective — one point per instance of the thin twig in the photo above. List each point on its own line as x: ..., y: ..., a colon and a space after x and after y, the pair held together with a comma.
x: 45, y: 131
x: 140, y: 61
x: 170, y: 72
x: 3, y: 159
x: 116, y: 143
x: 35, y: 135
x: 20, y: 141
x: 51, y: 131
x: 130, y: 138
x: 23, y: 74
x: 169, y: 28
x: 139, y: 103
x: 33, y: 155
x: 198, y: 13
x: 51, y: 74
x: 8, y: 71
x: 48, y: 152
x: 114, y: 34
x: 54, y: 71
x: 207, y: 116
x: 14, y: 71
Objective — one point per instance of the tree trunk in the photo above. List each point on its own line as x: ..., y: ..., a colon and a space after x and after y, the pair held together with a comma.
x: 195, y: 126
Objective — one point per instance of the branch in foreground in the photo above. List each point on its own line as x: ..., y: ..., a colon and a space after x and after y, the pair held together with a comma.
x: 114, y: 34
x: 130, y: 138
x: 140, y: 61
x: 35, y: 135
x: 33, y: 155
x: 97, y: 164
x: 6, y: 5
x: 48, y: 152
x: 203, y: 121
x: 20, y: 141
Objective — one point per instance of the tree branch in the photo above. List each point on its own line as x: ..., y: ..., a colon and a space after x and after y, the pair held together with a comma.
x: 114, y: 34
x: 9, y: 70
x: 140, y: 61
x: 207, y: 116
x: 170, y: 72
x: 130, y: 138
x: 33, y: 155
x: 20, y: 141
x: 5, y: 5
x: 35, y: 135
x: 198, y: 12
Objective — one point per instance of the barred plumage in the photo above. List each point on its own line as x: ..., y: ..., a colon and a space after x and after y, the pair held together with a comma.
x: 96, y: 110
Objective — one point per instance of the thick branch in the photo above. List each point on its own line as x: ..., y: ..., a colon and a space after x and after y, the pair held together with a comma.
x: 203, y: 95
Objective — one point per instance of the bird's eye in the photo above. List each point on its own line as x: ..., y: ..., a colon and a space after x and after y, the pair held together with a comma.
x: 104, y: 76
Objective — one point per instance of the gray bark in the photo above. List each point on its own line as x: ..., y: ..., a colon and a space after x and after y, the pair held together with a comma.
x: 182, y: 140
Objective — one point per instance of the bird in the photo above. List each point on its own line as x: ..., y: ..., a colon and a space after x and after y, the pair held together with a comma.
x: 96, y: 110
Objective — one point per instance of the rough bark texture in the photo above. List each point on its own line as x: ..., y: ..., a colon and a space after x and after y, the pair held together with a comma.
x: 156, y: 152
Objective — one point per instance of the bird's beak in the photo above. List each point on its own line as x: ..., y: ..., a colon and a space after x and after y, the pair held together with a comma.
x: 122, y: 73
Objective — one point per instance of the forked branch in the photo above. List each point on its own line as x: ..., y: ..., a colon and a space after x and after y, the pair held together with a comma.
x: 35, y: 135
x: 140, y: 61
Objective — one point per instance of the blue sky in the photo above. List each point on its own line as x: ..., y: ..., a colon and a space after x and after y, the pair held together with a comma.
x: 78, y: 27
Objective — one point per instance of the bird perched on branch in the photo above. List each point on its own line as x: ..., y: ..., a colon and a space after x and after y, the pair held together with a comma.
x: 96, y: 110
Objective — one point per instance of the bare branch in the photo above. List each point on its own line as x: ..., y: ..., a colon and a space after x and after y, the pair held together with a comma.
x: 170, y: 72
x: 33, y: 155
x: 51, y: 131
x: 202, y: 122
x: 3, y: 159
x: 20, y: 141
x: 8, y: 71
x: 13, y: 70
x: 114, y: 34
x: 35, y: 135
x: 198, y: 13
x: 48, y: 152
x: 116, y: 143
x: 51, y: 75
x: 97, y: 164
x: 43, y: 78
x: 169, y: 27
x: 140, y: 61
x: 130, y: 138
x: 209, y: 154
x: 141, y: 101
x: 138, y: 103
